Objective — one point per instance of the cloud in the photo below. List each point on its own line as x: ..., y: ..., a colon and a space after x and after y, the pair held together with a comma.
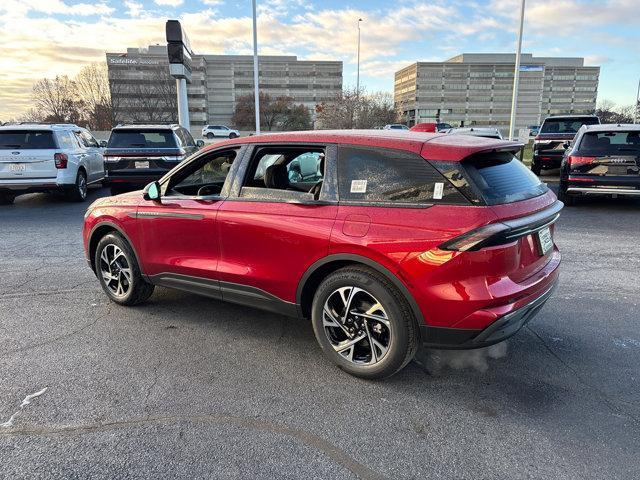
x: 134, y: 9
x: 561, y: 17
x: 66, y: 37
x: 22, y: 7
x: 169, y: 3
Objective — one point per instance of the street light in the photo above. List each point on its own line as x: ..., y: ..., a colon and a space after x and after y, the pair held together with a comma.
x: 256, y: 80
x: 637, y: 105
x: 516, y: 75
x: 358, y: 74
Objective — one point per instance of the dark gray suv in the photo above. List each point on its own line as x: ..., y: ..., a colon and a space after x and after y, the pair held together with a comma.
x: 139, y: 154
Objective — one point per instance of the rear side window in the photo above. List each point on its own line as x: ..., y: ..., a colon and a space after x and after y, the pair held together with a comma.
x: 602, y: 143
x: 133, y: 138
x: 566, y: 125
x: 502, y: 178
x: 27, y: 139
x: 391, y: 177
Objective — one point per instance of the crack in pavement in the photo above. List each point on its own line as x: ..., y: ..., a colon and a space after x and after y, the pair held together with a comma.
x: 307, y: 438
x: 58, y: 338
x: 607, y: 400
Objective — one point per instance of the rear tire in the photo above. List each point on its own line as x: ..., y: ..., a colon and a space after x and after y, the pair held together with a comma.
x: 564, y: 197
x: 78, y: 193
x: 537, y: 169
x: 118, y: 271
x: 377, y: 313
x: 7, y: 198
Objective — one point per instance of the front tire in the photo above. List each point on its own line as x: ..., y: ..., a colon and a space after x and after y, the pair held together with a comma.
x: 233, y: 135
x: 210, y: 135
x: 118, y: 271
x: 78, y: 193
x: 363, y: 323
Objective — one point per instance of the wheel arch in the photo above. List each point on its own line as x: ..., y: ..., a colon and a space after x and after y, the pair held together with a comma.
x: 100, y: 230
x: 325, y: 266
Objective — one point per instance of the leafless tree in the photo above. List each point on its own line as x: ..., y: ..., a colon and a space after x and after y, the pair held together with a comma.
x: 609, y: 112
x: 151, y: 98
x: 56, y: 100
x: 276, y: 113
x: 92, y: 85
x: 350, y: 109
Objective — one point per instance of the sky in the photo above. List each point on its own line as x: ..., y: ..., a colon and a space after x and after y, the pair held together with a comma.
x: 45, y: 38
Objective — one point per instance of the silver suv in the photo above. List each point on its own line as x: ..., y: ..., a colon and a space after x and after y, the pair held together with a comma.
x: 48, y: 157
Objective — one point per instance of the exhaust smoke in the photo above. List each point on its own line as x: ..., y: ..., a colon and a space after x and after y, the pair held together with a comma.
x: 435, y: 361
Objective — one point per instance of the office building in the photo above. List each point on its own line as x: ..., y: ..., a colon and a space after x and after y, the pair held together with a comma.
x: 477, y: 88
x: 142, y: 89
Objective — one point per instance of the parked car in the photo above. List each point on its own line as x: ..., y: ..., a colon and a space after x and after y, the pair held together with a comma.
x: 443, y: 127
x: 48, y: 158
x: 425, y: 127
x: 390, y: 241
x: 548, y: 145
x: 395, y: 126
x: 487, y: 132
x: 603, y: 160
x: 139, y: 154
x: 220, y: 131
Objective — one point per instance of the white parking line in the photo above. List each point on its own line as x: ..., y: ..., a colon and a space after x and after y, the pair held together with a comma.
x: 25, y: 402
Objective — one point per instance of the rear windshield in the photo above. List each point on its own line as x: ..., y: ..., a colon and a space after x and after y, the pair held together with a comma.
x: 602, y: 143
x: 566, y: 125
x: 27, y: 139
x: 146, y: 138
x: 502, y: 178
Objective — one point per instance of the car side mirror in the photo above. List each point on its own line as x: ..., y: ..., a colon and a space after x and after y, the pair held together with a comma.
x: 152, y: 192
x: 103, y: 144
x: 566, y: 145
x: 200, y: 143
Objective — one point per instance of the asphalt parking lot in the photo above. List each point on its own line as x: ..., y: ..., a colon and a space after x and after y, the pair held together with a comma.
x: 188, y: 387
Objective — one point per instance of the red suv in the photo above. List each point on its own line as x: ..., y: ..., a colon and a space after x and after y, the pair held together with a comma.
x: 383, y: 239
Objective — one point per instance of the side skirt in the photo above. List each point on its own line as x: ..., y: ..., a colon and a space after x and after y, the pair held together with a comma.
x: 226, y: 291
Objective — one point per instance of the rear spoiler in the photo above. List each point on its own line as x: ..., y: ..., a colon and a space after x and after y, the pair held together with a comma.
x: 506, y: 231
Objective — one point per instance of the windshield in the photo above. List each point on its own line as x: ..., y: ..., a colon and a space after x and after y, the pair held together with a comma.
x: 27, y: 139
x: 566, y: 125
x: 133, y: 138
x: 602, y: 143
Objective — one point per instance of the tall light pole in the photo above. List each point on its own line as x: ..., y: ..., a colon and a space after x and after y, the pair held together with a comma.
x: 256, y: 77
x: 637, y: 105
x: 358, y: 71
x: 516, y: 75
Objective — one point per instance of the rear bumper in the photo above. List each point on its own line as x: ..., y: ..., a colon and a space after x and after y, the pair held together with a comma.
x: 604, y: 191
x: 132, y: 178
x: 503, y: 328
x: 545, y: 160
x: 33, y: 185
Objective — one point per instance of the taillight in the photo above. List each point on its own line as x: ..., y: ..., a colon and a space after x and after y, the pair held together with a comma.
x: 475, y: 239
x: 111, y: 158
x: 575, y: 161
x: 61, y: 160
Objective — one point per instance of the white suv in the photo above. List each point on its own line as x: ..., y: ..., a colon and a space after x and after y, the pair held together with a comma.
x: 212, y: 131
x: 43, y: 158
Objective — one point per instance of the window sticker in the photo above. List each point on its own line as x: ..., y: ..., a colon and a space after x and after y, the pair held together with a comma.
x: 437, y: 191
x: 358, y: 186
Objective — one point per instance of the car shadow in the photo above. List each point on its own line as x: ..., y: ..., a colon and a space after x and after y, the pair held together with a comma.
x: 519, y: 374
